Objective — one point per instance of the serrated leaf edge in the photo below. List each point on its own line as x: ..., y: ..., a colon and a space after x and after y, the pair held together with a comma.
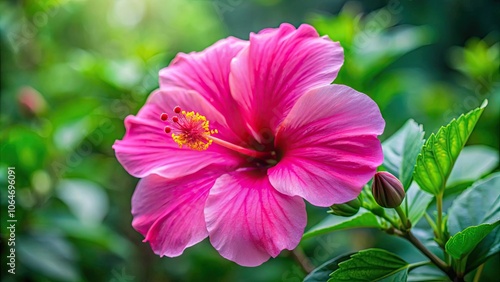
x: 493, y: 226
x: 406, y: 266
x: 430, y: 140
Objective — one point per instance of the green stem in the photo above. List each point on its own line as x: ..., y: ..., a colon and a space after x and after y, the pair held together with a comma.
x: 439, y: 223
x: 479, y: 271
x: 381, y: 213
x: 406, y: 205
x: 430, y: 221
x: 447, y: 257
x: 434, y: 227
x: 436, y: 260
x: 418, y: 264
x: 393, y: 223
x: 302, y: 260
x: 460, y: 267
x: 404, y: 220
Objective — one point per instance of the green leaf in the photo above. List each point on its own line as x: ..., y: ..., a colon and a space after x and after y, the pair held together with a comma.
x: 472, y: 163
x: 478, y: 205
x: 438, y: 155
x: 396, y: 277
x: 486, y: 249
x: 401, y: 151
x: 85, y: 199
x: 417, y: 201
x: 23, y: 148
x: 49, y: 255
x: 100, y: 235
x: 363, y: 218
x: 322, y: 273
x: 372, y: 265
x: 380, y: 51
x: 425, y: 277
x: 462, y: 243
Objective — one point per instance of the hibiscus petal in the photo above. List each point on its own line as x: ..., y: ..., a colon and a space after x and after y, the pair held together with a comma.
x: 248, y: 220
x: 207, y: 72
x: 279, y: 66
x: 169, y: 213
x: 329, y: 146
x: 147, y: 149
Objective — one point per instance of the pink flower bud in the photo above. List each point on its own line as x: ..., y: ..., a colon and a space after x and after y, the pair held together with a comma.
x: 387, y: 190
x: 31, y: 101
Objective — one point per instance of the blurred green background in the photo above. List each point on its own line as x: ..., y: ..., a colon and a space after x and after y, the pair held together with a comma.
x: 72, y: 70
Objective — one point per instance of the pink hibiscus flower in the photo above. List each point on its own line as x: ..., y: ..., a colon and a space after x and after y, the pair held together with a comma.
x: 238, y: 135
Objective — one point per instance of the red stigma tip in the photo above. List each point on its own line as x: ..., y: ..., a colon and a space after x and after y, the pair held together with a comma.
x: 167, y: 129
x: 177, y: 110
x: 164, y: 117
x: 175, y: 119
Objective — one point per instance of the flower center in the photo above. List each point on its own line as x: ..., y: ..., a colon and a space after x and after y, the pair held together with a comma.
x: 189, y: 129
x: 192, y: 130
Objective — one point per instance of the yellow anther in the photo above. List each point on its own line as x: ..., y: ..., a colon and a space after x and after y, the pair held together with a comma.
x: 192, y: 131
